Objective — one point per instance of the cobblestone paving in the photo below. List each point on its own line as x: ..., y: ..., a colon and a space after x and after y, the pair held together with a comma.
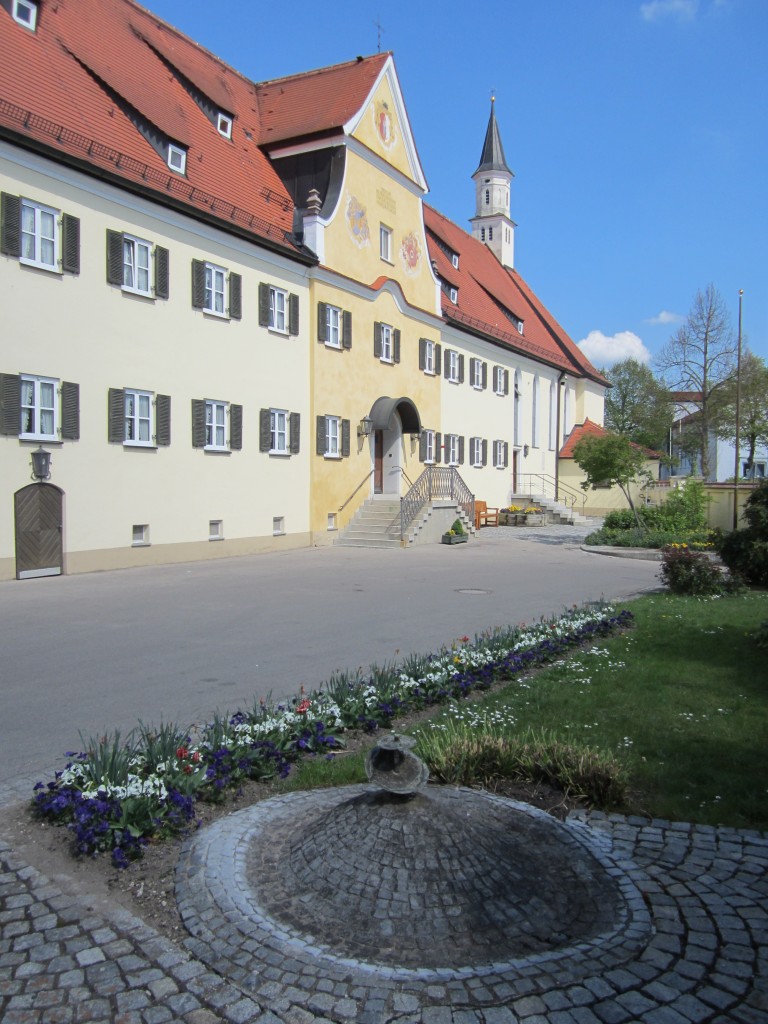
x: 704, y: 962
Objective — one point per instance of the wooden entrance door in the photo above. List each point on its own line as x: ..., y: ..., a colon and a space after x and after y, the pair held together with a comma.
x: 38, y: 514
x: 515, y: 456
x: 378, y: 462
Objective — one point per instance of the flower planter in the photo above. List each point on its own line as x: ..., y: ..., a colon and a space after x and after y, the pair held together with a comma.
x: 456, y: 538
x: 532, y: 519
x: 506, y: 518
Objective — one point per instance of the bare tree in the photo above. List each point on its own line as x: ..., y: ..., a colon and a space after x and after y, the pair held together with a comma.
x: 700, y: 358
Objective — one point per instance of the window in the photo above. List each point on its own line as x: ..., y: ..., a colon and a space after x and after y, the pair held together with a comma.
x: 386, y: 343
x: 25, y: 12
x: 332, y: 439
x: 455, y: 260
x: 385, y: 243
x: 428, y: 445
x: 500, y: 454
x: 39, y: 408
x: 490, y: 234
x: 224, y: 125
x: 454, y: 295
x: 138, y: 418
x: 482, y: 234
x: 479, y: 374
x: 331, y: 520
x: 136, y: 266
x: 516, y: 409
x: 334, y: 326
x: 278, y: 309
x: 478, y: 451
x: 429, y: 356
x: 454, y: 366
x: 278, y: 431
x: 278, y: 526
x: 487, y: 197
x: 454, y: 449
x: 535, y: 413
x: 211, y: 419
x: 39, y: 235
x: 500, y: 380
x: 212, y: 286
x: 519, y: 326
x: 177, y: 158
x: 216, y: 529
x: 140, y: 535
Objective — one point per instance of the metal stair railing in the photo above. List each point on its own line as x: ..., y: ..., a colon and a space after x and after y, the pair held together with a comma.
x: 436, y: 483
x: 362, y: 482
x: 559, y: 491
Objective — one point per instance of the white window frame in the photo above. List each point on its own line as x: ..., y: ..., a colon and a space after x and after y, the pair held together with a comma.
x: 453, y: 294
x: 387, y: 350
x: 498, y: 454
x: 140, y: 535
x: 224, y: 124
x: 216, y: 529
x: 38, y: 409
x: 429, y: 447
x: 177, y: 158
x: 520, y: 326
x: 477, y: 374
x: 215, y: 426
x: 278, y: 309
x: 278, y: 431
x: 476, y: 452
x: 333, y: 326
x: 39, y: 238
x: 429, y: 357
x: 385, y: 243
x: 25, y: 13
x: 455, y: 260
x: 133, y: 249
x: 333, y: 437
x: 452, y: 449
x: 453, y: 366
x: 498, y: 380
x: 215, y: 290
x: 143, y: 412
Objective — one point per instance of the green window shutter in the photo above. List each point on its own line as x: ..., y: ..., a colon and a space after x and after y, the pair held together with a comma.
x: 320, y: 435
x: 485, y: 452
x: 163, y: 421
x: 70, y: 411
x: 447, y: 367
x: 162, y: 272
x: 461, y: 450
x: 198, y: 284
x: 506, y: 454
x: 506, y: 384
x: 236, y: 427
x: 461, y: 369
x: 198, y: 423
x: 377, y: 340
x: 70, y: 244
x: 236, y: 296
x: 322, y: 322
x: 438, y: 446
x: 422, y: 354
x: 345, y: 447
x: 10, y: 228
x: 422, y: 444
x: 293, y: 314
x: 265, y: 430
x: 10, y: 404
x: 116, y: 415
x: 346, y: 329
x: 295, y: 427
x: 438, y: 359
x: 396, y: 345
x: 485, y: 376
x: 263, y: 305
x: 114, y: 257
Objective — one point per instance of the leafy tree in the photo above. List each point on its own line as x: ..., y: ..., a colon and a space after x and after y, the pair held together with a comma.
x: 700, y: 358
x: 637, y: 405
x: 612, y: 460
x: 753, y: 408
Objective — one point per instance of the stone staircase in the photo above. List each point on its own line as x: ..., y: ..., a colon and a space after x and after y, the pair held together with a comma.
x: 376, y: 524
x: 557, y: 512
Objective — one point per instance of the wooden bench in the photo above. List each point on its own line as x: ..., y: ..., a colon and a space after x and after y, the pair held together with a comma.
x: 485, y: 516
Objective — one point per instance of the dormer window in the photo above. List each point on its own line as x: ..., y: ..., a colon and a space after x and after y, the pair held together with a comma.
x: 177, y: 158
x: 455, y: 260
x: 454, y: 295
x: 25, y: 13
x: 519, y: 326
x: 224, y: 125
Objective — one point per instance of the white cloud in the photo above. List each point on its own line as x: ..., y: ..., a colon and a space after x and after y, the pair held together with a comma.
x: 665, y: 317
x: 604, y: 350
x: 683, y: 10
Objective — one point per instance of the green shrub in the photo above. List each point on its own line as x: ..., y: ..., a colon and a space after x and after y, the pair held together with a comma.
x: 620, y: 519
x: 693, y: 573
x: 657, y: 539
x: 746, y: 551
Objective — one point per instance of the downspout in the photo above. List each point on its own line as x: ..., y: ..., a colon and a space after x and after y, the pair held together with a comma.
x: 562, y: 378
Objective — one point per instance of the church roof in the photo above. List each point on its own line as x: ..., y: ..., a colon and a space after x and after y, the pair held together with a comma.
x: 492, y: 157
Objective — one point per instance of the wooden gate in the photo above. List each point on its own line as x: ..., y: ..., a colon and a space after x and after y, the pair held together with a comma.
x: 38, y: 513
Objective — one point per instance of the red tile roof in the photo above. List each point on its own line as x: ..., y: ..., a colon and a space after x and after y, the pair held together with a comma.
x: 487, y: 290
x: 590, y: 429
x: 64, y: 92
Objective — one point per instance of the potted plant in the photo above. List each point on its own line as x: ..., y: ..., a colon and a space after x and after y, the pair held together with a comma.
x: 508, y: 515
x: 455, y: 535
x: 531, y: 515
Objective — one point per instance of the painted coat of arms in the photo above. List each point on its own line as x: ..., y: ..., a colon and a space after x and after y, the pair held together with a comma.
x: 357, y: 222
x: 410, y: 253
x: 385, y: 123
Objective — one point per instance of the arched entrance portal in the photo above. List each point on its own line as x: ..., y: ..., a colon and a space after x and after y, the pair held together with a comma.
x: 391, y: 418
x: 38, y: 512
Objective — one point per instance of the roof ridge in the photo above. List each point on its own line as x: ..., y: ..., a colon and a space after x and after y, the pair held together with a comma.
x: 322, y: 70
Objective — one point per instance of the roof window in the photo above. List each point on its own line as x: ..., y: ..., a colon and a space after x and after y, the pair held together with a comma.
x: 177, y: 158
x: 455, y: 260
x: 25, y: 13
x: 224, y: 125
x: 454, y: 295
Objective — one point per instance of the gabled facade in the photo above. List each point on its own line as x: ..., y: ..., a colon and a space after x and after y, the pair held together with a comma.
x: 231, y: 317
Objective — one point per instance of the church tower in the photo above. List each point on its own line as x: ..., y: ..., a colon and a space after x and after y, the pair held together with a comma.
x: 492, y: 223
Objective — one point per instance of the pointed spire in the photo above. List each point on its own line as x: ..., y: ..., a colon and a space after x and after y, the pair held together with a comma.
x: 492, y: 158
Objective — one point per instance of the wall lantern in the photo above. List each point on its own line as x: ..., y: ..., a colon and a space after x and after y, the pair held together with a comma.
x: 41, y: 464
x: 365, y: 426
x: 526, y: 449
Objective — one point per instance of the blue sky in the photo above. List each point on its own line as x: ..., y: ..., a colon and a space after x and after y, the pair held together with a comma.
x: 637, y: 131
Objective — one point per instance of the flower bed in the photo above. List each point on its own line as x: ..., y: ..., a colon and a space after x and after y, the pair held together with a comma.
x: 116, y: 795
